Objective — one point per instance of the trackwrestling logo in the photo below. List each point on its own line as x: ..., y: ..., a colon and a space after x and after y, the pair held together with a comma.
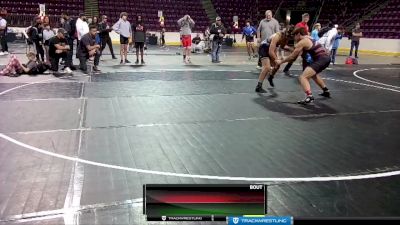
x: 270, y: 220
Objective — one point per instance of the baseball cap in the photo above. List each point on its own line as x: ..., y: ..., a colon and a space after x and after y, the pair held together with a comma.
x: 61, y: 30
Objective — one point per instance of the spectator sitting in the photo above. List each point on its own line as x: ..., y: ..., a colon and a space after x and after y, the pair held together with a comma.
x: 207, y: 41
x: 58, y: 49
x: 88, y: 49
x: 15, y: 68
x: 196, y: 40
x: 198, y: 44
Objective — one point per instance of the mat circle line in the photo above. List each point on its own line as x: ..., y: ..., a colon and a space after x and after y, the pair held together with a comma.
x: 375, y: 82
x: 196, y: 176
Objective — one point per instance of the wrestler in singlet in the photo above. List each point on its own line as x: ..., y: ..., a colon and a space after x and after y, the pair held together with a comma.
x: 311, y: 68
x: 267, y: 53
x: 320, y: 58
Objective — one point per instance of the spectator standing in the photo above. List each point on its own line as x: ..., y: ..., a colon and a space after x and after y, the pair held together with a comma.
x: 69, y: 26
x: 82, y: 28
x: 328, y: 38
x: 95, y: 22
x: 336, y: 43
x: 304, y: 24
x: 139, y: 38
x: 355, y: 39
x: 267, y: 27
x: 46, y: 20
x: 47, y: 34
x: 219, y: 31
x: 316, y: 29
x: 124, y: 29
x: 249, y: 32
x: 162, y: 37
x: 104, y: 32
x: 3, y: 34
x: 37, y: 37
x: 186, y: 24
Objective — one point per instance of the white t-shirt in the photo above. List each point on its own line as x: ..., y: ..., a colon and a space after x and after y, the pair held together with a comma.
x: 3, y: 22
x: 328, y: 39
x: 82, y: 28
x: 47, y: 34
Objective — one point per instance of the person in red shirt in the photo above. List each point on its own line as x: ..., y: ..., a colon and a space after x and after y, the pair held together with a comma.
x: 304, y: 21
x: 305, y: 18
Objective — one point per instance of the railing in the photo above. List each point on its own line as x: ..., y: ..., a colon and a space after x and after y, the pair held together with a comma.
x: 91, y: 8
x: 26, y: 20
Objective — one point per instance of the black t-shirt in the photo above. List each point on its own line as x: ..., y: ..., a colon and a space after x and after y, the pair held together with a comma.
x: 196, y: 40
x: 104, y: 31
x: 31, y: 65
x: 86, y: 40
x: 67, y: 27
x: 39, y: 36
x: 139, y: 32
x: 357, y: 31
x: 217, y: 30
x: 53, y: 41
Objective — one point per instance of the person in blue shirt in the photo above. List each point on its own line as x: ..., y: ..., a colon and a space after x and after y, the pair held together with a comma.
x: 336, y: 43
x: 316, y: 29
x: 249, y: 32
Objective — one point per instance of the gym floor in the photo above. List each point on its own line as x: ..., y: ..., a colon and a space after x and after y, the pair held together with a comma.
x: 77, y: 150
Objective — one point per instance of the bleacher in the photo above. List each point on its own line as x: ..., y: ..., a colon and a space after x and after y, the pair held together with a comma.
x: 148, y: 9
x: 383, y: 24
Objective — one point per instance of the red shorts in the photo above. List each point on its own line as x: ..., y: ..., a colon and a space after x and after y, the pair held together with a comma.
x: 186, y: 41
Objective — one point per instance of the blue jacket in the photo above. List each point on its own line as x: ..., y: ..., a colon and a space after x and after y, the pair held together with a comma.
x: 337, y: 41
x: 314, y: 35
x: 249, y: 31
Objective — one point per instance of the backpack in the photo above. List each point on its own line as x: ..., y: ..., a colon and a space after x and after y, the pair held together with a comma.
x: 323, y: 31
x: 351, y: 61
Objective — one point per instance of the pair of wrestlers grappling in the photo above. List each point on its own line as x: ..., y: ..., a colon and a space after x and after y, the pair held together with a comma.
x: 315, y: 59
